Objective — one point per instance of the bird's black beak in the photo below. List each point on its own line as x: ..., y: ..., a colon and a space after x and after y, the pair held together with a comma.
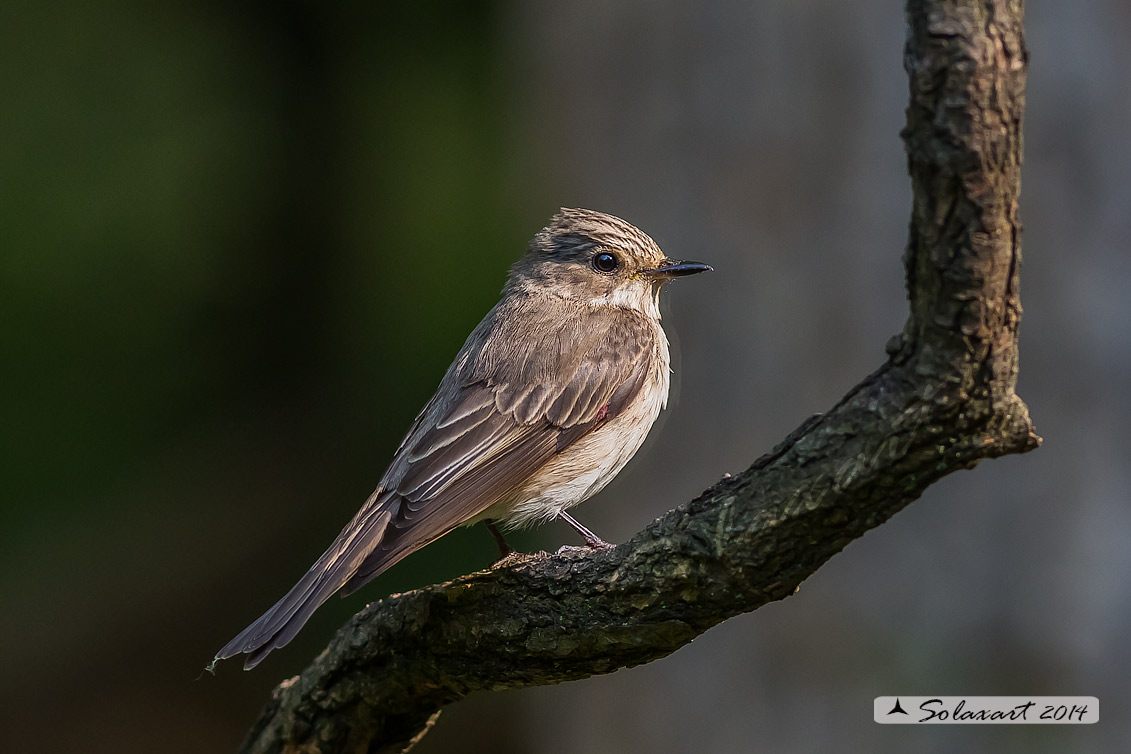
x: 673, y: 269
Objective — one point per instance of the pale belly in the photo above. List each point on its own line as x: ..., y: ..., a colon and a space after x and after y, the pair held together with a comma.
x: 583, y: 469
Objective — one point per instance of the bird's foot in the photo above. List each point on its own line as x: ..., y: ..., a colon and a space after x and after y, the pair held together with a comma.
x: 513, y: 558
x: 592, y: 541
x: 596, y: 543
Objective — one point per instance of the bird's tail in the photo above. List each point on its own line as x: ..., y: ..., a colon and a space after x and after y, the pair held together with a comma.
x: 276, y: 627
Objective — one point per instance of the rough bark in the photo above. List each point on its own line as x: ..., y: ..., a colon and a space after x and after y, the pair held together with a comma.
x: 943, y: 401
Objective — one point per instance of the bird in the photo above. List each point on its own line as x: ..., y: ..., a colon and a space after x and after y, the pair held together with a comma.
x: 548, y: 399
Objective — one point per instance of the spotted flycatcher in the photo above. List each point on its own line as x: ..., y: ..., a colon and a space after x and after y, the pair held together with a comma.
x: 548, y: 399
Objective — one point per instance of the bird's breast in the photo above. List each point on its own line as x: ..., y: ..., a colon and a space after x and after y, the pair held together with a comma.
x: 584, y: 468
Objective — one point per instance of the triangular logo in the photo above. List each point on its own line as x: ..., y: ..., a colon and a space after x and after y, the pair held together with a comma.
x: 897, y: 708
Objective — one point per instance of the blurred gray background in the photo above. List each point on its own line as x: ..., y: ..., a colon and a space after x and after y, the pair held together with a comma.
x: 240, y: 244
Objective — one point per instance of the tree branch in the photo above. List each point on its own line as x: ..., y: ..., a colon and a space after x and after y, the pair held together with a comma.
x: 943, y: 401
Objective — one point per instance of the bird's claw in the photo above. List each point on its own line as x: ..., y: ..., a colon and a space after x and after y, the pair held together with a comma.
x: 513, y: 558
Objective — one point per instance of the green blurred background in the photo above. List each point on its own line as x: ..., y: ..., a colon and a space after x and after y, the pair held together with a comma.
x: 239, y: 245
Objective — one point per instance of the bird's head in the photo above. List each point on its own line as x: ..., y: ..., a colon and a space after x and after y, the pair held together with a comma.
x: 599, y: 260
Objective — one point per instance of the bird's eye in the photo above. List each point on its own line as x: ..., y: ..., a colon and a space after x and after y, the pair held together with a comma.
x: 605, y: 261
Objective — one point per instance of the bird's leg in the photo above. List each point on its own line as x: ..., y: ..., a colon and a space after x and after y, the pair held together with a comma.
x: 509, y: 557
x: 504, y: 548
x: 591, y: 539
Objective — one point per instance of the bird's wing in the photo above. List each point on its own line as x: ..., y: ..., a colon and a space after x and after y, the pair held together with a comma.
x: 501, y: 413
x: 515, y: 412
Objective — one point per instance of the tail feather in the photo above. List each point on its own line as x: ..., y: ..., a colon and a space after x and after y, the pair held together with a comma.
x: 276, y: 627
x: 393, y: 548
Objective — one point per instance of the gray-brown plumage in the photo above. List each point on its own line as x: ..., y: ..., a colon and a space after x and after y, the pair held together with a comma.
x: 548, y: 399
